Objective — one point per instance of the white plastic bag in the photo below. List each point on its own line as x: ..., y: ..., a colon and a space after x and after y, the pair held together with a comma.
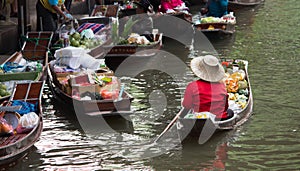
x: 70, y: 56
x: 29, y: 120
x: 89, y: 62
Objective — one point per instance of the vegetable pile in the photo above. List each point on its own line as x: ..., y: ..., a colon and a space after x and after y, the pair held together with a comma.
x: 236, y: 84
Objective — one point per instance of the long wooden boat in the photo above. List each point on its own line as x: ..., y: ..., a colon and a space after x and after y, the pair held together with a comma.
x: 16, y: 146
x: 239, y: 4
x: 35, y: 48
x: 114, y: 55
x: 190, y: 129
x: 89, y: 109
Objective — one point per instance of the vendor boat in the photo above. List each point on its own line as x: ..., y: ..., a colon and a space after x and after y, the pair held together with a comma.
x: 96, y: 106
x: 193, y: 125
x: 16, y: 144
x: 239, y: 4
x: 114, y: 55
x: 216, y: 28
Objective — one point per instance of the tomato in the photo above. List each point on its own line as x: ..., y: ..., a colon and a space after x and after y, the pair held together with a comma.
x: 109, y: 94
x: 225, y: 64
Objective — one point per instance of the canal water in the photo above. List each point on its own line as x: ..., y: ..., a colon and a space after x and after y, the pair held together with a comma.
x: 267, y: 36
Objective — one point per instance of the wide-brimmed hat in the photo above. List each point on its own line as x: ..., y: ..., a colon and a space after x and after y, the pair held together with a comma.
x: 145, y: 4
x: 208, y: 68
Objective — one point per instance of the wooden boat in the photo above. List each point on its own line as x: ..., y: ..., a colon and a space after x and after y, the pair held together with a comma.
x: 190, y: 129
x: 16, y: 146
x: 239, y: 4
x: 182, y: 15
x: 105, y: 10
x: 115, y: 54
x: 30, y: 75
x: 35, y: 48
x: 89, y: 109
x: 215, y: 28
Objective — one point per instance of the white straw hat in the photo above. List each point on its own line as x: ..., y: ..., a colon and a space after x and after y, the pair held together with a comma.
x: 208, y: 68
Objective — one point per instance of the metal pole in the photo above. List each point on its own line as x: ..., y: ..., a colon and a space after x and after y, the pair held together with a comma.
x: 22, y: 21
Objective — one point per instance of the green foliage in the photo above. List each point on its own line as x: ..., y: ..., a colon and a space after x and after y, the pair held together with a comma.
x: 116, y: 38
x: 115, y: 33
x: 128, y: 27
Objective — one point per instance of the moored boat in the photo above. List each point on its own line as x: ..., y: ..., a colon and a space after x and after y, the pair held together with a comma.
x: 216, y: 25
x: 204, y: 124
x: 96, y: 105
x: 105, y: 10
x: 114, y: 55
x: 34, y: 51
x: 215, y: 28
x: 29, y: 64
x: 239, y: 4
x: 33, y: 73
x: 15, y: 144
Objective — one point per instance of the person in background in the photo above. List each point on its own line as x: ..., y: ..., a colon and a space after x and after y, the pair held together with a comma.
x: 215, y: 8
x: 68, y: 4
x: 47, y: 14
x: 167, y: 6
x: 208, y: 93
x: 14, y: 9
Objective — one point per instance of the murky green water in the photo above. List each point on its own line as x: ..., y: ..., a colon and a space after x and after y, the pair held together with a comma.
x: 269, y: 38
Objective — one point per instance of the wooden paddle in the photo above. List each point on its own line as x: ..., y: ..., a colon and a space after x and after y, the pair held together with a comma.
x: 182, y: 111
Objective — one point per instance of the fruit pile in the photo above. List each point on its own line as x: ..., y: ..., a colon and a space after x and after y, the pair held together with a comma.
x: 236, y: 84
x: 77, y: 40
x: 225, y: 19
x: 3, y: 90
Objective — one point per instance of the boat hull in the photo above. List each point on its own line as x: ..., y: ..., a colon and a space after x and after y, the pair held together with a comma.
x: 91, y: 108
x: 93, y: 116
x: 115, y: 55
x: 16, y: 146
x: 240, y: 4
x: 218, y: 28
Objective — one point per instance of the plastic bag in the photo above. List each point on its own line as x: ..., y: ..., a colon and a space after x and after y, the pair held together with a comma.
x: 29, y: 120
x: 70, y: 56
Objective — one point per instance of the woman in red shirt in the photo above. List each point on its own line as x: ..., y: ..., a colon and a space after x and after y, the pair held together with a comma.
x: 208, y: 94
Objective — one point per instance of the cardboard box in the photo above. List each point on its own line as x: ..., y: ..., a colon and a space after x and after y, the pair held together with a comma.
x: 87, y: 88
x: 81, y: 79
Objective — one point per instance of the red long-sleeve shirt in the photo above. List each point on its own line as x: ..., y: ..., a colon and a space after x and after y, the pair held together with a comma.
x: 202, y: 96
